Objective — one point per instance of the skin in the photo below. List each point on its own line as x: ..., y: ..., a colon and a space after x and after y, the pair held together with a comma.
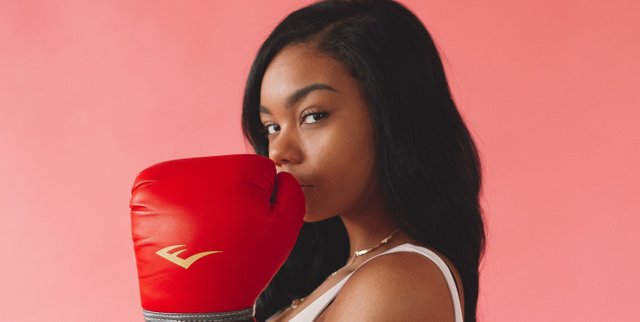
x: 325, y: 139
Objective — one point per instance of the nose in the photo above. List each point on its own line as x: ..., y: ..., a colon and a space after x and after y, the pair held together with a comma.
x: 285, y: 150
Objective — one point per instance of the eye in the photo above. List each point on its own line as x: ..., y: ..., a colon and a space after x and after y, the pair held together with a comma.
x: 313, y: 117
x: 271, y: 128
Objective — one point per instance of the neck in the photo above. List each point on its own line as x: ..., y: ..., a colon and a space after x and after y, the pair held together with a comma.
x: 368, y: 225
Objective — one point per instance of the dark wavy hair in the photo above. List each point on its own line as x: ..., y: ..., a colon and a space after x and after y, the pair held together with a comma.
x: 426, y: 160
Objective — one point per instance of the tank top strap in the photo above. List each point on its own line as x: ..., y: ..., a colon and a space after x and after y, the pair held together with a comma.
x: 314, y: 309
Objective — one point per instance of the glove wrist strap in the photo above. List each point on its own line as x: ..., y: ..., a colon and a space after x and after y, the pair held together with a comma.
x: 235, y: 316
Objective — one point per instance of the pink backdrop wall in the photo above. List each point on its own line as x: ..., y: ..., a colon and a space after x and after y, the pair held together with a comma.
x: 93, y: 91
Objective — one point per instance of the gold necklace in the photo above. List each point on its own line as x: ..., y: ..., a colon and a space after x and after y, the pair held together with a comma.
x: 361, y: 252
x: 356, y: 254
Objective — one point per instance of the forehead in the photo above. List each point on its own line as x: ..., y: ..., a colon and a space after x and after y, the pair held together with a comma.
x: 298, y: 66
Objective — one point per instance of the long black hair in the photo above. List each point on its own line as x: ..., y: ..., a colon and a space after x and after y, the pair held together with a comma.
x: 426, y: 160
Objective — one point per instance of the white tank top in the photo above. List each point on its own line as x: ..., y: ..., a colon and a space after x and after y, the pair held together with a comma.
x: 313, y: 310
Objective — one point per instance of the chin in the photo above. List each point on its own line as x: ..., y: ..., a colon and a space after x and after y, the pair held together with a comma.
x: 311, y: 218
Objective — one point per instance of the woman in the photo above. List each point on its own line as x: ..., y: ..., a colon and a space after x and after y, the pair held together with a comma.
x: 351, y: 98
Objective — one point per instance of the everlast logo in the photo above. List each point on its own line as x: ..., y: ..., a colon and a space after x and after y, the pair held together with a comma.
x: 182, y: 262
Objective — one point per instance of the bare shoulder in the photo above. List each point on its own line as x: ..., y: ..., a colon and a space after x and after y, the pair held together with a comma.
x: 402, y: 286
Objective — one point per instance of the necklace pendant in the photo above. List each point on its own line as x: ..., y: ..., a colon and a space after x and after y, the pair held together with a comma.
x: 362, y: 252
x: 296, y: 302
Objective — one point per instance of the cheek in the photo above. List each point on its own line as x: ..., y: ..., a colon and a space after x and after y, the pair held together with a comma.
x: 343, y: 168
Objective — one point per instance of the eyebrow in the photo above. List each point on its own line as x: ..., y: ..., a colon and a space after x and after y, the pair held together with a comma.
x: 300, y: 94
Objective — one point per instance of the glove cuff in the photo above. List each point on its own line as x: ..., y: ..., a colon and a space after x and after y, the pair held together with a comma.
x: 231, y: 316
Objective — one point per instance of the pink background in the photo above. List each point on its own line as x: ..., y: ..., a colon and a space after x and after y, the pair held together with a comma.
x: 93, y: 91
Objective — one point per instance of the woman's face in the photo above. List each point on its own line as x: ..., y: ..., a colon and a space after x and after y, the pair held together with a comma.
x: 319, y: 129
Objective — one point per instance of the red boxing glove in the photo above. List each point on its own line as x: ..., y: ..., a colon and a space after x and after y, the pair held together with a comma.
x: 210, y: 233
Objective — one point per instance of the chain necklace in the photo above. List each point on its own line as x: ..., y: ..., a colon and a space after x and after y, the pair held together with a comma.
x: 355, y: 255
x: 361, y: 252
